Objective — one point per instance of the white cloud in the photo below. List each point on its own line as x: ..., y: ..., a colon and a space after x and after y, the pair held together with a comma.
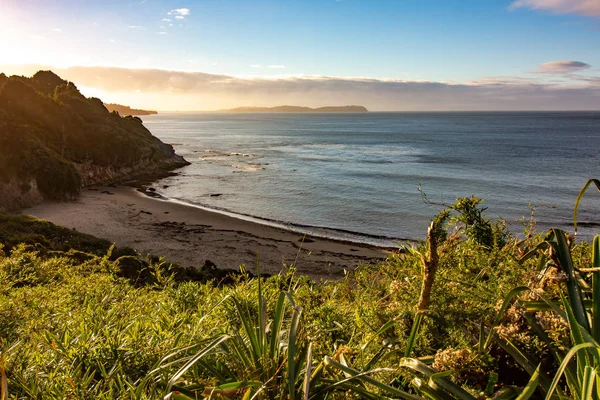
x: 180, y: 11
x: 198, y: 90
x: 136, y: 27
x: 561, y: 67
x: 179, y: 17
x: 112, y: 40
x: 162, y: 33
x: 582, y: 7
x: 276, y: 66
x: 166, y: 19
x: 56, y: 30
x: 256, y: 66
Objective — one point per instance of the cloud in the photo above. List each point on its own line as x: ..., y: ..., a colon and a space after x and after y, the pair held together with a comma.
x: 166, y: 19
x: 179, y: 17
x: 163, y: 89
x: 276, y: 66
x: 561, y: 67
x: 56, y: 30
x: 589, y: 8
x: 256, y: 66
x: 162, y: 33
x: 136, y: 27
x: 180, y: 12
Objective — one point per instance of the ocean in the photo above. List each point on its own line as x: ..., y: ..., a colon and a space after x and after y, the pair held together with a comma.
x: 359, y: 177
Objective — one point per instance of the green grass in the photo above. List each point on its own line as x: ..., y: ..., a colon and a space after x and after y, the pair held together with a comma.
x: 82, y: 327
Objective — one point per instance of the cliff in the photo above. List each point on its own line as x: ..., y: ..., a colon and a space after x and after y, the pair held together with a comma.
x: 54, y: 140
x: 299, y: 109
x: 125, y: 110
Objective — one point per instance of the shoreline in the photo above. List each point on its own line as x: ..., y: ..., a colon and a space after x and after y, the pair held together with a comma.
x: 385, y: 243
x: 191, y: 236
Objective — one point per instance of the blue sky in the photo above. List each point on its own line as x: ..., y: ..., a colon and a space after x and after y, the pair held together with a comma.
x: 408, y: 40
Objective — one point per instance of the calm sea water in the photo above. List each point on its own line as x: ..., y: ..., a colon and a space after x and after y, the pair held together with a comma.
x: 357, y: 176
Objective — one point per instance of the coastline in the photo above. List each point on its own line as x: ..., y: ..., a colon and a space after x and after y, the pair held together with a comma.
x: 384, y: 243
x: 192, y: 236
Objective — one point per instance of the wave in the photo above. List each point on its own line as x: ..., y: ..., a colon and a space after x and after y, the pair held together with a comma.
x: 337, y: 234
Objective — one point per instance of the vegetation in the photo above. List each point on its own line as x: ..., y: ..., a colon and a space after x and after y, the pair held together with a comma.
x: 53, y: 139
x: 497, y: 317
x: 125, y: 110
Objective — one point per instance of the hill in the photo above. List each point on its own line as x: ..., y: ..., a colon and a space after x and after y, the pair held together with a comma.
x: 126, y: 110
x: 299, y: 109
x: 54, y: 140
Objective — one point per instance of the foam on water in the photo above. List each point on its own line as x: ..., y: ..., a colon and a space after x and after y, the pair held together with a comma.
x: 356, y: 176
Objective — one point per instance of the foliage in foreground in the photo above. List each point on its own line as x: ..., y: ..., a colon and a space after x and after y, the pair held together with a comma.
x: 79, y: 329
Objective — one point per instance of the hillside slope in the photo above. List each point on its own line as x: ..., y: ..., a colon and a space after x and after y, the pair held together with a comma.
x: 126, y: 110
x: 54, y: 140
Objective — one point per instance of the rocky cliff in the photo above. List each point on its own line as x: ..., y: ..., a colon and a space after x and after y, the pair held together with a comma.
x: 54, y: 141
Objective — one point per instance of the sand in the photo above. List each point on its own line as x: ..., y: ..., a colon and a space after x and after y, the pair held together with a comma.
x: 189, y: 235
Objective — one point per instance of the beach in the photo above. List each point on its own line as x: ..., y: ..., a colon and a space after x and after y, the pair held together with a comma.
x: 192, y: 236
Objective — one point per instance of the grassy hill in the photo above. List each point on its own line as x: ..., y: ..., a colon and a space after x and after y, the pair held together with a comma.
x: 79, y: 319
x: 54, y: 140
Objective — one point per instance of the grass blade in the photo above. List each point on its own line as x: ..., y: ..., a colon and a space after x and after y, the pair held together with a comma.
x: 596, y: 289
x: 363, y: 376
x: 413, y: 334
x: 526, y: 362
x: 532, y: 385
x: 308, y: 372
x: 588, y: 383
x: 198, y: 356
x: 293, y: 335
x: 516, y: 291
x: 563, y: 366
x: 439, y: 378
x: 276, y: 326
x: 558, y: 240
x: 579, y: 197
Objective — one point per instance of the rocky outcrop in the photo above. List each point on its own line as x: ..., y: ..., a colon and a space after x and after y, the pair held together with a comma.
x: 16, y: 194
x: 54, y: 141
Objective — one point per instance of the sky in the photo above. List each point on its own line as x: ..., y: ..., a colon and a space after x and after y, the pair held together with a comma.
x: 388, y: 55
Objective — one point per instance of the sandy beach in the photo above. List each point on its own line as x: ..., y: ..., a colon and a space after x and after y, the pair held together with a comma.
x: 190, y: 236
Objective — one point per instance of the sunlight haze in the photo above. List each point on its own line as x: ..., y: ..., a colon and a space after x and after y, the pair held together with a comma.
x: 385, y: 55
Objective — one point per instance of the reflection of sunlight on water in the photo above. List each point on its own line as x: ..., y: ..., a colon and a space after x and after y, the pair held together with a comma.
x: 239, y: 161
x: 364, y: 179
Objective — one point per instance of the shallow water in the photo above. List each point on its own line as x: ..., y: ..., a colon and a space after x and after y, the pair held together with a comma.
x: 358, y: 175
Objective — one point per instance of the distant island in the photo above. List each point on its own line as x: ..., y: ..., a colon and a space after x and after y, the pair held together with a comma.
x: 125, y: 110
x: 299, y: 109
